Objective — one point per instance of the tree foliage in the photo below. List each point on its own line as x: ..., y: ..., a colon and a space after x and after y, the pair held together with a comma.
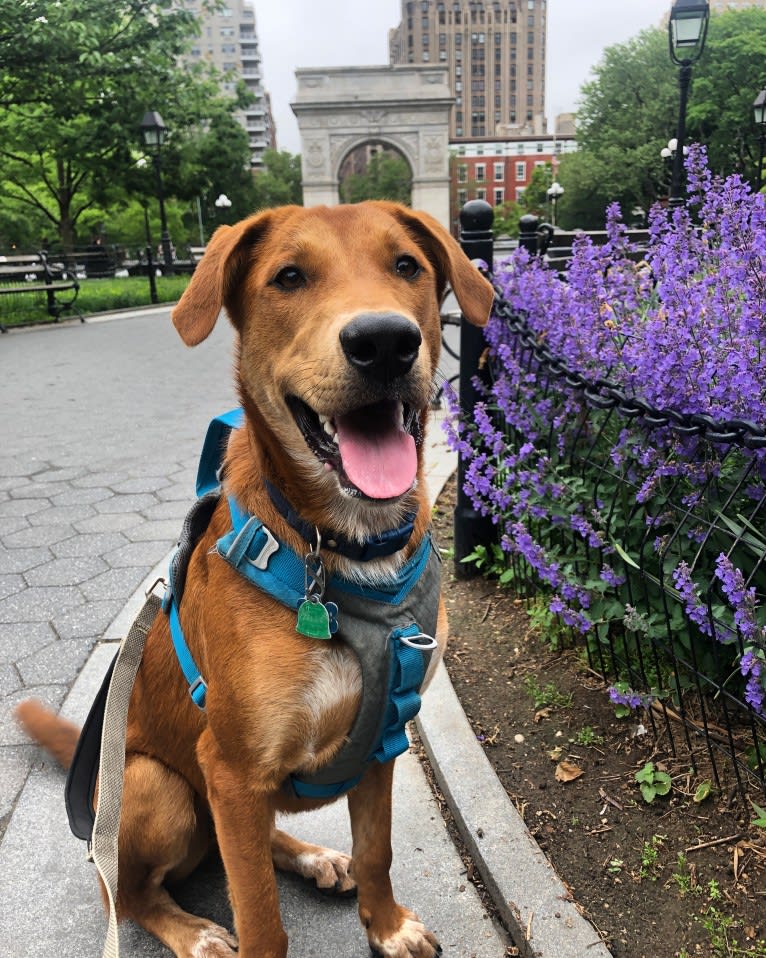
x: 387, y: 177
x: 279, y: 182
x: 76, y: 77
x: 629, y: 111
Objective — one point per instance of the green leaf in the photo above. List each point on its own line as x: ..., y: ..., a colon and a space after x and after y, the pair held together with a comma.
x: 646, y: 774
x: 623, y: 554
x: 662, y: 783
x: 703, y: 792
x: 649, y: 792
x: 761, y: 813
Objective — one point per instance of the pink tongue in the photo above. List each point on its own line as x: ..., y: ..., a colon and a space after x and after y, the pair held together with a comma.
x: 378, y: 456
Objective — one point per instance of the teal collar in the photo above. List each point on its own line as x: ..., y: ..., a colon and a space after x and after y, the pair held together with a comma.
x: 209, y: 479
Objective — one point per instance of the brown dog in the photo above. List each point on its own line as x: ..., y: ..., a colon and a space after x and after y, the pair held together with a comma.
x: 337, y: 315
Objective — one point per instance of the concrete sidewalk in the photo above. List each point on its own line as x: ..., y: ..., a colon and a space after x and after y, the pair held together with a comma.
x: 116, y: 477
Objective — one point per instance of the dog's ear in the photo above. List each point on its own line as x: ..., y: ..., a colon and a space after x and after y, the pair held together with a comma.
x: 214, y: 276
x: 473, y: 292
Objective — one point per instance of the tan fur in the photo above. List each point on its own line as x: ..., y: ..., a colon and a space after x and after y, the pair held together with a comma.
x: 277, y: 702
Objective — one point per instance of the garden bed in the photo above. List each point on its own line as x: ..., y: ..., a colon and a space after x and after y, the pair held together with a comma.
x: 671, y: 879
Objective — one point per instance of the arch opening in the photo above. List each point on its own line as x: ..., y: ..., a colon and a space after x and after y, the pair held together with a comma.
x: 375, y: 170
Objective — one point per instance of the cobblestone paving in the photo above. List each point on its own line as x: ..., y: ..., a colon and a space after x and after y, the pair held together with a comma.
x: 102, y: 426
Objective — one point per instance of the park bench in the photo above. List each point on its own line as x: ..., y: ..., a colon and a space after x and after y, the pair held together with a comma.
x: 31, y: 284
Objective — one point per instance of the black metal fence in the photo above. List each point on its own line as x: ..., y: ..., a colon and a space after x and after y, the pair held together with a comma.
x: 677, y: 652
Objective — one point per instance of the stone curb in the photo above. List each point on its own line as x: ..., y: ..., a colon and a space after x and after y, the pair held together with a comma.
x: 533, y: 903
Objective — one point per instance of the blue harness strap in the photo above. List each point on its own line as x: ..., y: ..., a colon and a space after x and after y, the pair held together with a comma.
x: 380, y: 622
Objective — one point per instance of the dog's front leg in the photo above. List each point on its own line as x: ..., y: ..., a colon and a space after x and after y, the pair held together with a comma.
x: 243, y: 817
x: 392, y: 931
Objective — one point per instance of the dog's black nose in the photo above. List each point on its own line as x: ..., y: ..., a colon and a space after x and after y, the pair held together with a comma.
x: 381, y: 345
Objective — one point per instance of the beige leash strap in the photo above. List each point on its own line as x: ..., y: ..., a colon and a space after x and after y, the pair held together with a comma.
x: 106, y: 827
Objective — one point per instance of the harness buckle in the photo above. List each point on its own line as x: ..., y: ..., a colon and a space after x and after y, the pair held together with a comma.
x: 270, y: 546
x: 198, y: 692
x: 160, y: 579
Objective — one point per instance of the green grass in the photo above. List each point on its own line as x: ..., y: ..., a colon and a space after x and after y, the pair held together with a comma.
x: 95, y: 296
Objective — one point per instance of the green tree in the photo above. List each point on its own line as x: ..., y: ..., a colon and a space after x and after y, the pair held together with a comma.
x: 505, y: 221
x: 75, y: 79
x: 730, y: 74
x: 387, y: 177
x: 279, y: 182
x: 629, y: 110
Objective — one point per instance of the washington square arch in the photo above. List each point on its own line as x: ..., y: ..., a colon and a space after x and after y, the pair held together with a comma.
x: 401, y: 109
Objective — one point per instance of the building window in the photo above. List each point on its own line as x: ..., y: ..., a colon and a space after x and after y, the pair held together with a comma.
x: 521, y: 171
x: 462, y: 197
x: 462, y: 173
x: 481, y: 194
x: 480, y: 172
x: 499, y: 197
x: 499, y: 171
x: 539, y: 147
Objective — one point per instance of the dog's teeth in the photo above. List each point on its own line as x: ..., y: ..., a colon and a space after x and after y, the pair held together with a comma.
x: 400, y: 415
x: 329, y: 427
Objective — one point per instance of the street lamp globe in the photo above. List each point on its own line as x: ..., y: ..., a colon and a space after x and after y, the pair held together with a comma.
x: 759, y: 112
x: 554, y: 192
x: 153, y: 130
x: 759, y: 109
x: 687, y: 30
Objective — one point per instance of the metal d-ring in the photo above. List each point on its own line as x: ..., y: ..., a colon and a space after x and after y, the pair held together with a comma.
x: 420, y: 641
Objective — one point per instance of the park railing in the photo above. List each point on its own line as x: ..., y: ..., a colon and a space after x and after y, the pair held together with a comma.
x: 654, y: 562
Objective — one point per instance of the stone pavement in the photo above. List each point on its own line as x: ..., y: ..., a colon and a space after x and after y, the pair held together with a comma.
x: 101, y: 437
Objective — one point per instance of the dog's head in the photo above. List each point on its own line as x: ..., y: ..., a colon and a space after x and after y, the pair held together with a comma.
x: 337, y: 311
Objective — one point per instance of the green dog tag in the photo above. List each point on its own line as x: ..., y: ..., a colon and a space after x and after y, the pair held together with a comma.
x: 313, y: 620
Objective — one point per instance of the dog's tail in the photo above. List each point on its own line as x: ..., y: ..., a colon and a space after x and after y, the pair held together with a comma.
x: 56, y: 735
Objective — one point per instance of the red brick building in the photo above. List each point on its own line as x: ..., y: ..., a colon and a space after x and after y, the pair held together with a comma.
x: 498, y: 170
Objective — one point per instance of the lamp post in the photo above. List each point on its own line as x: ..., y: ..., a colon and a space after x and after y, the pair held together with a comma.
x: 759, y: 110
x: 554, y: 192
x: 687, y: 31
x: 154, y: 132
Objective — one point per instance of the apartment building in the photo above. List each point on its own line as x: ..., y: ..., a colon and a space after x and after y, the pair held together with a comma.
x: 495, y: 53
x: 229, y: 41
x: 499, y: 170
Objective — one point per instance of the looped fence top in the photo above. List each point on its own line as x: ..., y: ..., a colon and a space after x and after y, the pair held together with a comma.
x: 604, y: 394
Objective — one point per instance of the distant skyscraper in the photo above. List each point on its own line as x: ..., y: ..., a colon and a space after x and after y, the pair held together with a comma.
x: 494, y: 51
x: 229, y: 40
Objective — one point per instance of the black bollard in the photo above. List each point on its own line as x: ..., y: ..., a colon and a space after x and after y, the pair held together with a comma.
x: 528, y: 225
x: 471, y: 529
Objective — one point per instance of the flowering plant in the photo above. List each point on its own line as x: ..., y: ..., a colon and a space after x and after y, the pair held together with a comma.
x: 655, y: 497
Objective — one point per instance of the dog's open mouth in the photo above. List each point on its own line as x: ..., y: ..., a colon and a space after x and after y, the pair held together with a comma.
x: 373, y: 449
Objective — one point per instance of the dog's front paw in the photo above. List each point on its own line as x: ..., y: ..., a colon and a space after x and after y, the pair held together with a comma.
x: 330, y: 870
x: 412, y: 940
x: 214, y: 942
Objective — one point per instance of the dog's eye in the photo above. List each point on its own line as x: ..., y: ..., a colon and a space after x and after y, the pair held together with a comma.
x: 407, y: 267
x: 289, y: 278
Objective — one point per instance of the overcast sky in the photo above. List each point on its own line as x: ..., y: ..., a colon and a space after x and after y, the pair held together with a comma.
x: 323, y: 33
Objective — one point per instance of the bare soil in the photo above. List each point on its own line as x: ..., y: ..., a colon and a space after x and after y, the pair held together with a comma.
x: 671, y: 879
